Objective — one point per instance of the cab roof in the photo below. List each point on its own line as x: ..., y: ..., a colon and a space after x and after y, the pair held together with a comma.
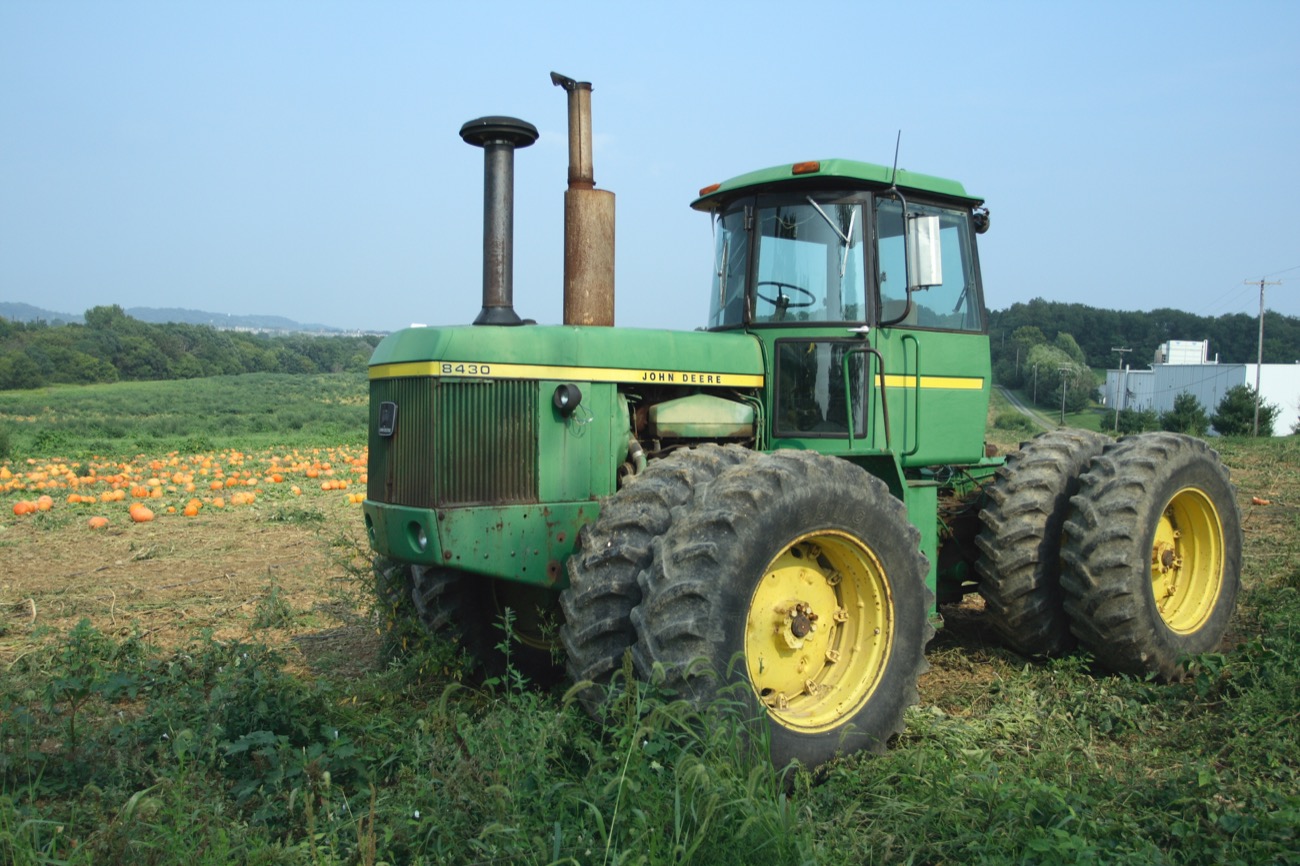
x: 830, y: 172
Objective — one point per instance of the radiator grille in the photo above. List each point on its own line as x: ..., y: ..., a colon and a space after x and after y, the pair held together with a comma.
x: 456, y: 442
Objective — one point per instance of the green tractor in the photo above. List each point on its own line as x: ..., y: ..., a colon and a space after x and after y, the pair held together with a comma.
x: 782, y: 498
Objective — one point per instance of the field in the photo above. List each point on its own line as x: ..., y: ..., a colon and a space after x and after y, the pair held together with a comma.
x: 226, y: 687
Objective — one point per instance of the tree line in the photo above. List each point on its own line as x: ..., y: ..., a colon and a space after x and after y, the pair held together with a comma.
x: 1057, y: 370
x: 1233, y: 338
x: 111, y: 346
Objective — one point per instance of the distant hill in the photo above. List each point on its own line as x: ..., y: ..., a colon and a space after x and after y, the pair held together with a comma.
x: 163, y: 315
x: 28, y: 313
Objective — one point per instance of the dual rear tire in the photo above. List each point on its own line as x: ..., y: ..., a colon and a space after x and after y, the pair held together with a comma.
x: 1132, y: 550
x: 1152, y: 554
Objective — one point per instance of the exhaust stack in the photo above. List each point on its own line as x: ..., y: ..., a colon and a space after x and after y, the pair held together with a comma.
x: 499, y: 137
x: 588, y: 221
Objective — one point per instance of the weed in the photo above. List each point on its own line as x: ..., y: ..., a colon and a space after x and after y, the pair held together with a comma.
x: 273, y: 609
x: 285, y: 514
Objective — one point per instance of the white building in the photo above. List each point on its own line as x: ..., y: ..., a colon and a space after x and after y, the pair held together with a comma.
x: 1183, y: 366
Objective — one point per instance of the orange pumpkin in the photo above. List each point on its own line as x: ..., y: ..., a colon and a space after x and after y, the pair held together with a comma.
x: 97, y: 522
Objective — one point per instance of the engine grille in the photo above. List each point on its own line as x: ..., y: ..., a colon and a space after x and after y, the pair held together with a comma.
x: 455, y: 442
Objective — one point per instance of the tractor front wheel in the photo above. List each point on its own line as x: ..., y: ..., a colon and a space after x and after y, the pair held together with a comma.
x: 613, y: 551
x: 1152, y: 554
x: 805, y: 571
x: 471, y: 610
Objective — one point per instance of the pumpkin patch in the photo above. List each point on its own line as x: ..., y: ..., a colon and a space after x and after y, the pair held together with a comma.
x: 171, y: 484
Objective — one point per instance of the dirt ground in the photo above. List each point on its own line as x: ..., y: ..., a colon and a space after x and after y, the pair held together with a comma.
x: 296, y: 576
x: 292, y: 579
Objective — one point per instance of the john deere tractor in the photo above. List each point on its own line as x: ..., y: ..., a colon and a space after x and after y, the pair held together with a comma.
x: 780, y: 498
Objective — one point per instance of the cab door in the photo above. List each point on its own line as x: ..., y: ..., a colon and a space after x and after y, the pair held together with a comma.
x: 932, y: 339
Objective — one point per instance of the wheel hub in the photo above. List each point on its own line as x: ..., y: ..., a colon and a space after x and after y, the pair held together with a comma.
x: 1187, y: 561
x: 819, y: 630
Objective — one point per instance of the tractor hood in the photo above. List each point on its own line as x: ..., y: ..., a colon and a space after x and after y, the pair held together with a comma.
x: 593, y: 354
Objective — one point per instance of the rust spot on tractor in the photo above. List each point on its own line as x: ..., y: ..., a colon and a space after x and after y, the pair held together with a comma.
x: 553, y: 570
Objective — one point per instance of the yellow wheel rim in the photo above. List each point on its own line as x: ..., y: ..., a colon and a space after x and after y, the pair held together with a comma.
x: 819, y: 631
x: 1187, y: 559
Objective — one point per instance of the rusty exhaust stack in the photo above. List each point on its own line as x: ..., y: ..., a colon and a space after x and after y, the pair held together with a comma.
x: 499, y: 137
x: 588, y: 221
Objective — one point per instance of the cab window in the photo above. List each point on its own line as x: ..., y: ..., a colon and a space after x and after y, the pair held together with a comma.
x: 953, y: 306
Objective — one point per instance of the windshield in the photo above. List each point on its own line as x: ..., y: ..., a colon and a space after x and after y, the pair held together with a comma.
x: 809, y: 267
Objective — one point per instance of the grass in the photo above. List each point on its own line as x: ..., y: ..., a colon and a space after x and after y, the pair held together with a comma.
x: 257, y: 410
x: 211, y: 690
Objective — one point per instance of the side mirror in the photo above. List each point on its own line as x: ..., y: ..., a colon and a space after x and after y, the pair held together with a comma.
x: 924, y: 258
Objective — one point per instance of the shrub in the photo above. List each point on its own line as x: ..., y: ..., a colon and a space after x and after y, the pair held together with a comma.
x: 1187, y: 416
x: 1235, y: 415
x: 1014, y: 421
x: 1136, y: 421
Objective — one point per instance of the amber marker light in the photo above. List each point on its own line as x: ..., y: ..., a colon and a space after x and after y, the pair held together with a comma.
x: 713, y: 187
x: 806, y: 167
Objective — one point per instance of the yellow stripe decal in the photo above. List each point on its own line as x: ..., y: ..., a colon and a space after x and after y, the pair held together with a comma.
x: 485, y: 370
x: 952, y: 383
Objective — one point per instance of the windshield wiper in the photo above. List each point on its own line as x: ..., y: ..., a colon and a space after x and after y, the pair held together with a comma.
x: 845, y: 239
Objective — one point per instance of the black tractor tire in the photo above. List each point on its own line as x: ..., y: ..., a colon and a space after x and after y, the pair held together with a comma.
x: 612, y: 552
x: 469, y: 609
x: 805, y: 571
x: 1152, y: 554
x: 1020, y: 540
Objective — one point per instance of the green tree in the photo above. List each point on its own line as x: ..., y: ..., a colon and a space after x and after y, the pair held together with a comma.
x: 1235, y: 415
x: 19, y: 372
x: 1067, y: 344
x: 1136, y: 421
x: 105, y: 318
x: 1056, y: 369
x: 1187, y: 416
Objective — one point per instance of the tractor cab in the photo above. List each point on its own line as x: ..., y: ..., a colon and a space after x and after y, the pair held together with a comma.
x: 863, y: 285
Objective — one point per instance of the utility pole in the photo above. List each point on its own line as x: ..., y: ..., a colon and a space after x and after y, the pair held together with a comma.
x: 1119, y: 375
x: 1064, y: 371
x: 1035, y: 384
x: 1260, y: 360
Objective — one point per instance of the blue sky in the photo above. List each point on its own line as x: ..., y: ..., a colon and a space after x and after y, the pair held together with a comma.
x: 302, y: 159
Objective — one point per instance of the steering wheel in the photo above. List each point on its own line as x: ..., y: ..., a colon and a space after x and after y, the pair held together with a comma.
x: 782, y: 300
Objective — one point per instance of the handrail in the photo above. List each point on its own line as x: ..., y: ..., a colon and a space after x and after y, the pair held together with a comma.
x: 916, y: 421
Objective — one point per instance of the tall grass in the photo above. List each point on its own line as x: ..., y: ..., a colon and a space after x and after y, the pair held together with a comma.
x: 217, y: 753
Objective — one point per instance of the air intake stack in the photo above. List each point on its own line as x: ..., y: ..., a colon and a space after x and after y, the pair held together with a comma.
x: 499, y: 137
x: 588, y: 221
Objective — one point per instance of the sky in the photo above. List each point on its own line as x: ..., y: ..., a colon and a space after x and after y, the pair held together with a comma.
x: 302, y: 159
